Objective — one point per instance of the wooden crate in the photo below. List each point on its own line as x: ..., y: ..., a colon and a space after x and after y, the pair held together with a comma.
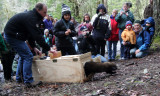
x: 62, y: 69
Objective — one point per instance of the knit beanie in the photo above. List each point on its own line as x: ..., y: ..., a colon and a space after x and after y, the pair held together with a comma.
x: 128, y: 23
x: 65, y: 9
x: 46, y: 30
x: 137, y: 21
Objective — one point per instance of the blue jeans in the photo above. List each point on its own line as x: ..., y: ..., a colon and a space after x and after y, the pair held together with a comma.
x: 103, y: 59
x: 24, y: 68
x: 122, y: 47
x: 138, y: 55
x: 112, y: 53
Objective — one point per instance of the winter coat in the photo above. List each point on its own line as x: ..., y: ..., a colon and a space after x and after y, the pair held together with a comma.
x: 101, y: 24
x: 148, y: 11
x: 123, y: 19
x: 48, y: 24
x: 86, y: 44
x: 150, y: 29
x: 25, y: 26
x: 129, y: 36
x: 143, y: 40
x: 114, y: 30
x: 61, y: 39
x: 48, y: 40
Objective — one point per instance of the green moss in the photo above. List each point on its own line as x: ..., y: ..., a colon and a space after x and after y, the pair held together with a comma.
x: 156, y: 40
x: 156, y: 43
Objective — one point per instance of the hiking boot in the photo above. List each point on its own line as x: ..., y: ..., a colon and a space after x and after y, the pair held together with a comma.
x: 32, y: 85
x: 109, y: 60
x: 29, y: 85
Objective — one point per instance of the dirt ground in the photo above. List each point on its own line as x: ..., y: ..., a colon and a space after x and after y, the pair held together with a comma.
x: 135, y: 77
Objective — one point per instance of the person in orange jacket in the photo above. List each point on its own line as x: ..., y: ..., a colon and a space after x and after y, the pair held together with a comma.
x: 129, y: 39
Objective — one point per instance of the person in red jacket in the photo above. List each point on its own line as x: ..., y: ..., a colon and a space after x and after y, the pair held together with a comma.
x: 113, y: 37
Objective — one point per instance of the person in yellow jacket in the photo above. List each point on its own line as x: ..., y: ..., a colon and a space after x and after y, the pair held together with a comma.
x: 129, y: 39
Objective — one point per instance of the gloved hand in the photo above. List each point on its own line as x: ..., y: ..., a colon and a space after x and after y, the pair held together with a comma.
x: 99, y: 14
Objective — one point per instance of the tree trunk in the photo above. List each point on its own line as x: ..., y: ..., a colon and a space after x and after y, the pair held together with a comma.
x: 75, y: 8
x: 138, y: 3
x: 156, y: 12
x: 77, y: 11
x: 102, y: 1
x: 105, y: 4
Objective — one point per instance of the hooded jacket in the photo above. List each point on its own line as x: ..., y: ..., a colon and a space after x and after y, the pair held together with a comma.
x: 61, y: 39
x: 26, y: 26
x: 101, y: 24
x: 123, y: 19
x: 150, y: 29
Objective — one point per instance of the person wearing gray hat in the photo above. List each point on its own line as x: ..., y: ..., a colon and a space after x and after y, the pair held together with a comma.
x: 64, y: 31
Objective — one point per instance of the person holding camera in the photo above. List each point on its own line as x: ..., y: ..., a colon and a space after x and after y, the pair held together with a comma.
x: 86, y: 22
x: 86, y: 44
x: 102, y: 28
x: 122, y: 17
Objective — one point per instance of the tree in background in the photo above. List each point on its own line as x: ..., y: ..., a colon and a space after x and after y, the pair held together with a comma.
x: 78, y: 7
x: 156, y: 15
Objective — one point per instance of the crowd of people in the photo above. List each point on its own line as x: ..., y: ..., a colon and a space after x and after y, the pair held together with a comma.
x: 35, y: 32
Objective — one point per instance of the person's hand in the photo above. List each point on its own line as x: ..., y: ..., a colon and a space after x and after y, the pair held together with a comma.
x: 84, y: 23
x: 100, y: 14
x: 137, y: 51
x: 68, y: 32
x: 121, y: 13
x: 124, y: 43
x: 126, y: 13
x: 37, y: 51
x: 53, y: 50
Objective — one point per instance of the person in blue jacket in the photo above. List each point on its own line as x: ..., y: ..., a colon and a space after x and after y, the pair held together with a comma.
x: 142, y: 41
x: 150, y: 26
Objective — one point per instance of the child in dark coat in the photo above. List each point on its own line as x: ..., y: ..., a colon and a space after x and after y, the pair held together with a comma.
x: 150, y: 26
x: 64, y: 31
x: 7, y: 60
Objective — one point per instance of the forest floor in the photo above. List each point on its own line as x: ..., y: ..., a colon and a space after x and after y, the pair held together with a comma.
x: 134, y: 77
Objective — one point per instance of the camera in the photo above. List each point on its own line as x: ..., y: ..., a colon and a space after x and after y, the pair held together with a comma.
x: 87, y: 21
